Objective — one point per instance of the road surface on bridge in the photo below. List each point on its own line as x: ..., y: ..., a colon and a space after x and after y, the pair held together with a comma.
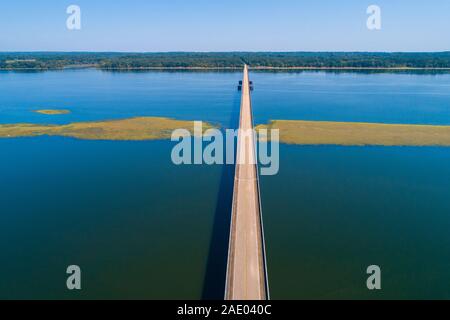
x: 246, y: 269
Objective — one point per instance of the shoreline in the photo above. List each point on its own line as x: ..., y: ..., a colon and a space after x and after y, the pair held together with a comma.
x: 234, y: 68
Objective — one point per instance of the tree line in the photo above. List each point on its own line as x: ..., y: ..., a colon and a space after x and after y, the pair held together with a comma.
x: 55, y: 60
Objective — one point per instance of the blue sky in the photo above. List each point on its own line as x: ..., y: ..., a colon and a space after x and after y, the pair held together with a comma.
x: 225, y: 25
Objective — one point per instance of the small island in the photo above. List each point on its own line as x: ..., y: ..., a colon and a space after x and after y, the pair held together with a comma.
x: 52, y: 112
x: 358, y: 133
x: 139, y: 128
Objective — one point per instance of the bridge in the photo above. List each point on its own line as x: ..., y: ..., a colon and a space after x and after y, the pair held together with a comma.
x: 246, y: 277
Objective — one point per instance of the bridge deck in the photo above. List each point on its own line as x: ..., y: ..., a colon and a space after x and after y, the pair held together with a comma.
x: 246, y: 270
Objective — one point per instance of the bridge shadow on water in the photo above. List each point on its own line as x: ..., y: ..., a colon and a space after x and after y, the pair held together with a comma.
x: 216, y: 265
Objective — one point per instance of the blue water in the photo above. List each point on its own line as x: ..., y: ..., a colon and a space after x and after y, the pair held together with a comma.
x: 361, y: 97
x: 136, y: 224
x: 333, y: 211
x: 141, y: 227
x: 98, y: 95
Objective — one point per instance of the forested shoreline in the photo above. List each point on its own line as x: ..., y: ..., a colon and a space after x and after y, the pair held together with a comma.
x: 223, y: 60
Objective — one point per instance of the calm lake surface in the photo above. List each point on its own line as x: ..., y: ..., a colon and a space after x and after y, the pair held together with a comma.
x: 141, y: 227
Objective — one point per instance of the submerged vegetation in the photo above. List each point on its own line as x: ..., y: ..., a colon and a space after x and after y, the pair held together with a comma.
x: 359, y: 133
x: 291, y: 131
x: 61, y: 60
x: 140, y: 128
